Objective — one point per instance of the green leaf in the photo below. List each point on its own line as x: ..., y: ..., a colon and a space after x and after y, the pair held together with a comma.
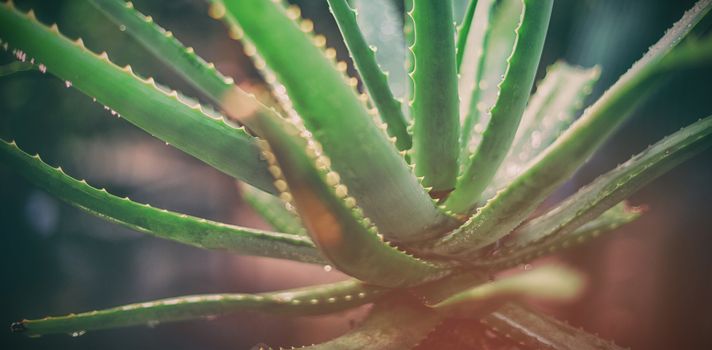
x: 513, y: 96
x: 377, y: 176
x: 342, y: 233
x: 554, y: 283
x: 488, y: 47
x: 463, y: 32
x: 459, y: 12
x: 314, y: 300
x: 692, y: 53
x: 395, y: 323
x: 552, y: 168
x: 542, y: 332
x: 165, y: 47
x: 550, y: 111
x: 558, y: 226
x: 15, y: 67
x: 268, y: 91
x: 140, y: 101
x: 514, y: 254
x: 434, y: 101
x: 183, y: 60
x: 409, y: 38
x: 274, y: 210
x: 381, y: 23
x: 552, y: 108
x: 373, y: 78
x: 157, y: 222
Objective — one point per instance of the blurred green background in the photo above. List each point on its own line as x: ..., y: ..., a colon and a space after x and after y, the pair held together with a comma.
x: 650, y: 283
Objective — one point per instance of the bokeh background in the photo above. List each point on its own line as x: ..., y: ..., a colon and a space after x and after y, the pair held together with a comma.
x: 651, y: 282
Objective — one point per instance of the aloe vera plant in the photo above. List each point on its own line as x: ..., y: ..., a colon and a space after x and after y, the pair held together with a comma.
x: 419, y: 202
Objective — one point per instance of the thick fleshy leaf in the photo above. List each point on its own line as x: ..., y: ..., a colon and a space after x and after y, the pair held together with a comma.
x: 161, y: 113
x: 185, y: 62
x: 375, y: 81
x: 558, y: 226
x: 315, y: 300
x: 369, y: 164
x: 511, y: 206
x: 157, y: 222
x: 552, y: 108
x: 539, y: 331
x: 165, y: 47
x: 514, y: 93
x: 335, y: 223
x: 609, y: 221
x: 553, y: 283
x: 488, y: 47
x: 463, y: 32
x: 381, y: 24
x: 550, y: 111
x: 270, y: 92
x: 434, y: 100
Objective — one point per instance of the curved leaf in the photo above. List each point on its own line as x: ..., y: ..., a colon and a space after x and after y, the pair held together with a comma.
x: 183, y: 60
x: 609, y: 221
x: 549, y: 283
x: 375, y: 81
x: 513, y: 96
x: 314, y: 300
x: 161, y: 113
x: 542, y: 332
x: 501, y: 214
x: 557, y: 227
x: 165, y: 47
x: 463, y: 32
x: 376, y: 174
x: 484, y: 64
x: 381, y: 23
x: 342, y: 233
x: 550, y: 111
x: 157, y: 222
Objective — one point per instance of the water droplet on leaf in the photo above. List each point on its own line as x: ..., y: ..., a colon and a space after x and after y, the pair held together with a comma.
x: 17, y: 327
x: 77, y: 333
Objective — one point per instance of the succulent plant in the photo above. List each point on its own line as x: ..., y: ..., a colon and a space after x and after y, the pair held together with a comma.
x: 420, y: 203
